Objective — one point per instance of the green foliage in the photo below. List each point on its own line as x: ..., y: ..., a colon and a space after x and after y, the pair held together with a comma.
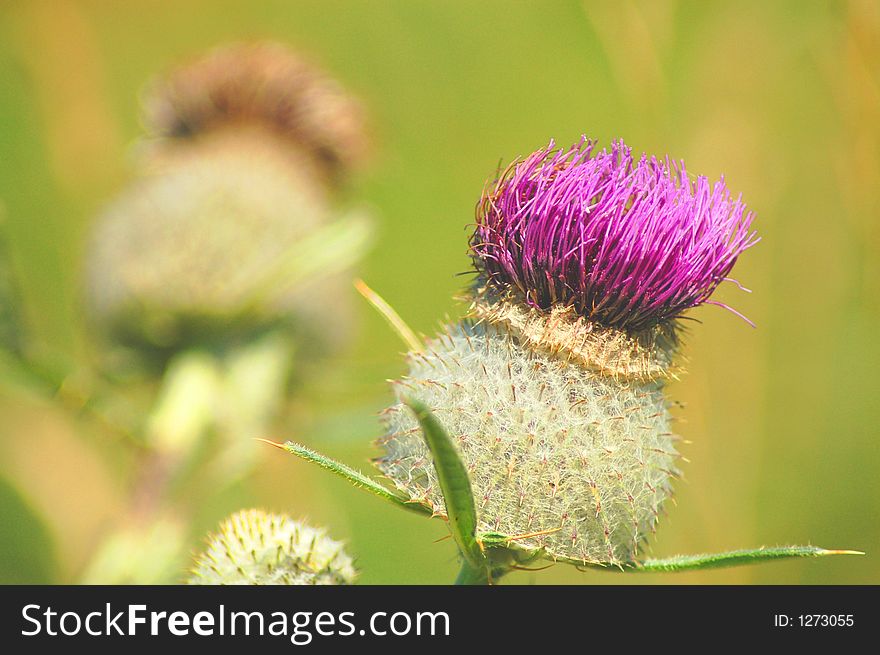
x: 455, y: 484
x: 11, y: 330
x: 26, y: 549
x: 356, y: 478
x: 732, y: 558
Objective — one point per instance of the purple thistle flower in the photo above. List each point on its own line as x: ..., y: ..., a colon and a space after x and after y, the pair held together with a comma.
x: 628, y: 243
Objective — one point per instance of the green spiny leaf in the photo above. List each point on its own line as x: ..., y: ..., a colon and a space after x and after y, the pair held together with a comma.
x: 454, y: 483
x: 356, y: 478
x: 731, y: 558
x: 702, y: 561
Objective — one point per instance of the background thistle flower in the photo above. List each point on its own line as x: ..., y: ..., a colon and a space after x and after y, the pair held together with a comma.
x: 259, y: 84
x: 554, y: 398
x: 254, y: 547
x: 218, y: 262
x: 232, y: 226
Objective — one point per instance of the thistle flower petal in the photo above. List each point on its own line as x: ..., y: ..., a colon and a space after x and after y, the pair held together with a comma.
x: 629, y: 243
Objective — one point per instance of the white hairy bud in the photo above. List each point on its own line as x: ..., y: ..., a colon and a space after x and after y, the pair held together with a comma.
x: 561, y: 457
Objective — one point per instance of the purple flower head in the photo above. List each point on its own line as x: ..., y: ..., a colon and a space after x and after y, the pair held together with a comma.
x: 628, y: 243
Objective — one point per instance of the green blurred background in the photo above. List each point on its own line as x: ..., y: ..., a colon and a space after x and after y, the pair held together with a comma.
x: 783, y: 98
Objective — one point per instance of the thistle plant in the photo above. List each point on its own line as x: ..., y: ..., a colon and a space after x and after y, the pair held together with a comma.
x: 555, y: 394
x: 538, y: 426
x: 232, y: 227
x: 254, y: 547
x: 213, y: 267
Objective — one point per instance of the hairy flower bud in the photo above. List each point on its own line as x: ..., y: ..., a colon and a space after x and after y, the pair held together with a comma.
x: 257, y: 548
x: 553, y: 391
x: 550, y: 447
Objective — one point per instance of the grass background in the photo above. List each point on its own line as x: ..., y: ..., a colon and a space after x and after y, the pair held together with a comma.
x: 783, y: 98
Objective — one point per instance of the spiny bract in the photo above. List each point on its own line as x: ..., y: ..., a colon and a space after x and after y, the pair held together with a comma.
x: 257, y: 548
x: 550, y: 447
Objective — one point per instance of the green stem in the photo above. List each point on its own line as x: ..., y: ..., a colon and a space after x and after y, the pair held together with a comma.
x: 148, y: 545
x: 471, y: 575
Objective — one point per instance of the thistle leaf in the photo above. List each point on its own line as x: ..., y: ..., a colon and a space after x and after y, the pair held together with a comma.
x: 731, y: 558
x: 454, y: 483
x: 355, y: 478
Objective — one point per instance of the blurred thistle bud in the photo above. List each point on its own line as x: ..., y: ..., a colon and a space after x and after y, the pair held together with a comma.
x: 232, y: 229
x: 553, y: 396
x: 257, y: 548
